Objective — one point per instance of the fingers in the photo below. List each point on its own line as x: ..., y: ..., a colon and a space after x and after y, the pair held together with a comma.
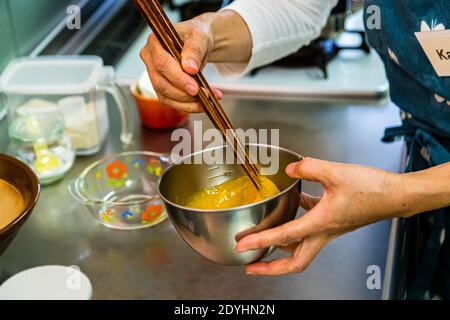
x: 310, y: 169
x: 194, y: 51
x: 192, y: 107
x: 160, y: 63
x: 290, y: 248
x: 308, y: 202
x: 173, y: 85
x: 171, y: 96
x: 165, y: 88
x: 217, y: 93
x: 298, y: 262
x: 284, y: 235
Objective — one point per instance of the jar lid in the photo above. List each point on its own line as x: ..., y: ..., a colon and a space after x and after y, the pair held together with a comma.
x: 51, y: 282
x: 37, y: 127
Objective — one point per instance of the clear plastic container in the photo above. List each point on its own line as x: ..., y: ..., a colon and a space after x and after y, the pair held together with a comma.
x: 73, y: 86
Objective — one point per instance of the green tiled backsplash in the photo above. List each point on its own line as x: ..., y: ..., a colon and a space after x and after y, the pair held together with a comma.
x: 25, y: 23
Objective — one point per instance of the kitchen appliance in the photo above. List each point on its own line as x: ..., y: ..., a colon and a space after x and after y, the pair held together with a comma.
x: 326, y: 48
x: 73, y: 86
x: 214, y: 233
x: 338, y: 66
x: 19, y: 175
x: 318, y: 54
x: 120, y: 191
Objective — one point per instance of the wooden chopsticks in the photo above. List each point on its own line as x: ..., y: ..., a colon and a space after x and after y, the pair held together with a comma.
x: 170, y: 40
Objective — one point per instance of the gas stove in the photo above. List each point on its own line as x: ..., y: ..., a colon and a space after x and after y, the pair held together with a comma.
x: 318, y: 54
x: 339, y: 65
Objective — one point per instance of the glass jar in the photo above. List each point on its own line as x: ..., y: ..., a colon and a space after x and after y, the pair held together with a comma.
x: 39, y: 141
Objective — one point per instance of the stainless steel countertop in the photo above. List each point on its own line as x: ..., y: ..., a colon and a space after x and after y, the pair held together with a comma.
x: 155, y: 263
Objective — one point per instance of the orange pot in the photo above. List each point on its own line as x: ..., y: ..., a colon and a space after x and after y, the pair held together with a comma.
x: 156, y: 115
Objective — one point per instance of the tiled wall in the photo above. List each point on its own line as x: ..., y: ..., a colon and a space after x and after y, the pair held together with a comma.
x: 25, y: 23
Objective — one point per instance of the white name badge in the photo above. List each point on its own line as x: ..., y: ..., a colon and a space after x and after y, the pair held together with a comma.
x: 436, y: 45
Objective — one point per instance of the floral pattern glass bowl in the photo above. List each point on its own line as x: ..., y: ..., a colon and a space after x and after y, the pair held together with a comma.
x: 121, y: 191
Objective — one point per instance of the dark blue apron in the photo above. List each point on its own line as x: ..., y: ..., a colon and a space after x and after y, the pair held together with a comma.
x: 424, y: 99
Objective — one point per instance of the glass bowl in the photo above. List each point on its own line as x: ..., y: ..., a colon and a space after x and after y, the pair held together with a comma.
x: 121, y: 191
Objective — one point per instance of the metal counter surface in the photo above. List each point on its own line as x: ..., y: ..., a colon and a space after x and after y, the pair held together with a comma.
x: 155, y: 263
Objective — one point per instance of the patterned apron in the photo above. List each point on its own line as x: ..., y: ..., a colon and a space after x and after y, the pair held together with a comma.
x: 424, y: 99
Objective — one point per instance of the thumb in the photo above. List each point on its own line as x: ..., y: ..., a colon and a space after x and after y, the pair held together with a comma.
x: 196, y: 46
x: 310, y: 169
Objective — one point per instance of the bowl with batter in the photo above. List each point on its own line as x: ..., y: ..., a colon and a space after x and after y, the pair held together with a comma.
x: 213, y: 206
x: 19, y: 192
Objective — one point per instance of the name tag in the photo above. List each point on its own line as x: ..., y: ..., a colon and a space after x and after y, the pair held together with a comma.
x: 436, y: 45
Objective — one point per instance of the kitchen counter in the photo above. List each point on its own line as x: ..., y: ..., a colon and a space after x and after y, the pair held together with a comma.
x: 155, y: 263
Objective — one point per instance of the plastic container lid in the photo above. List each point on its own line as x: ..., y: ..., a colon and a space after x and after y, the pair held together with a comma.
x: 52, y: 75
x: 47, y: 283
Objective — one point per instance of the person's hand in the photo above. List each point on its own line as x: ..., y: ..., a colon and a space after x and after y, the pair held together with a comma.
x: 354, y: 196
x: 173, y: 83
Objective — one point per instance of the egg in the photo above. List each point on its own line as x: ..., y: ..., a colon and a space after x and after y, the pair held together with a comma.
x: 232, y: 193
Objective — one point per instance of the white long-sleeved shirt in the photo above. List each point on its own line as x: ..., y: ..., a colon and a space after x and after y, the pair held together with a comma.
x: 278, y: 28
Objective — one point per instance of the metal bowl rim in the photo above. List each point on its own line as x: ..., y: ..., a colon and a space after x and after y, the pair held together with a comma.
x: 286, y: 190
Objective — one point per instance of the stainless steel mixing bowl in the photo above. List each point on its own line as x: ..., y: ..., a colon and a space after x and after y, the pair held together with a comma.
x: 214, y: 233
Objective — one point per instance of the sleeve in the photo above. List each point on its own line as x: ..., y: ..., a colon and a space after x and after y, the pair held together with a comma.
x: 278, y: 28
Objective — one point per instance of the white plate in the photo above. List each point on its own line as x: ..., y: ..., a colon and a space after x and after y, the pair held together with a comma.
x: 47, y: 283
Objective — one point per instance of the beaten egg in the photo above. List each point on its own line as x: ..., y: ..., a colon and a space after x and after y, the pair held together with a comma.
x: 232, y: 193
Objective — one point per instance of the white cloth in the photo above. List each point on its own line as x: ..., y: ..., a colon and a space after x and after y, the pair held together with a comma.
x: 278, y: 28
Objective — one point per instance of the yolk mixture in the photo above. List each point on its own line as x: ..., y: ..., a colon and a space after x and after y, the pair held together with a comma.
x: 232, y: 193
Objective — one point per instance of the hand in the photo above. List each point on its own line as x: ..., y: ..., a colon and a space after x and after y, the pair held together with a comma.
x: 354, y: 196
x: 173, y: 83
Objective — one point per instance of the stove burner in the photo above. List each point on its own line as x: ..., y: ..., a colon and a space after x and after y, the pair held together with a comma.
x: 318, y: 54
